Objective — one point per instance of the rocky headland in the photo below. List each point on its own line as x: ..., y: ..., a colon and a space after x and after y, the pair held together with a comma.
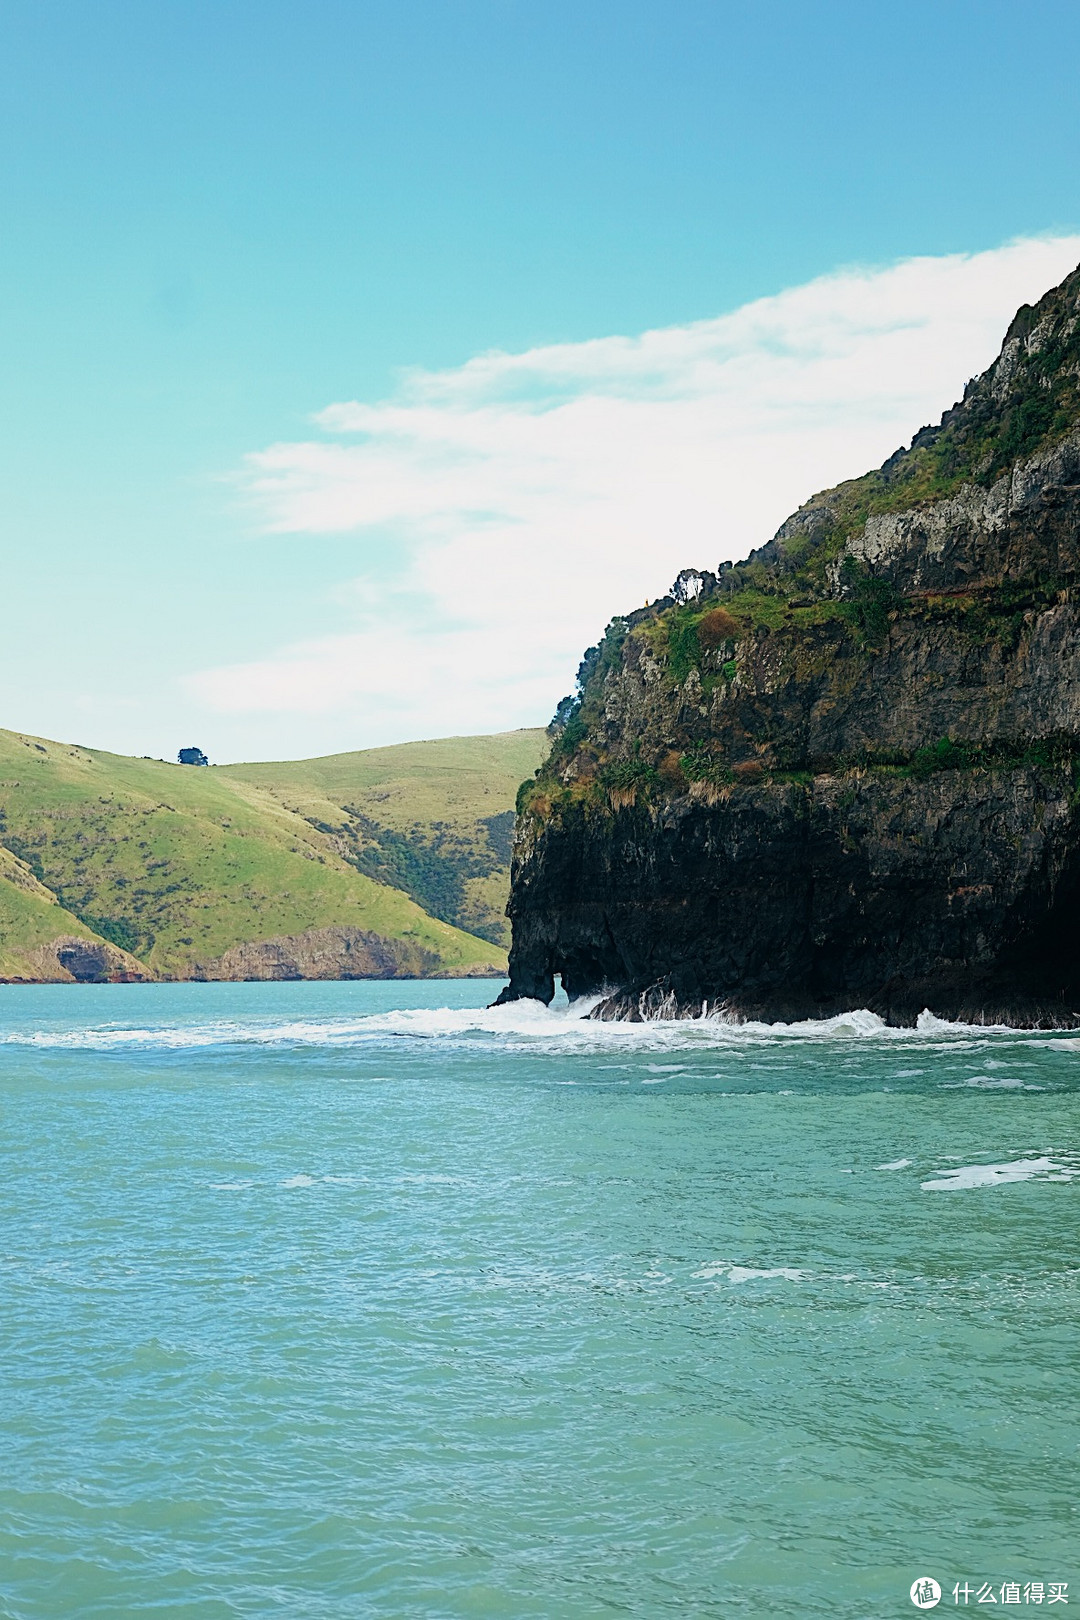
x: 845, y: 772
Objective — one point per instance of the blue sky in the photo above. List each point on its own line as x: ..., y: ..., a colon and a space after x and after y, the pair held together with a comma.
x: 228, y: 226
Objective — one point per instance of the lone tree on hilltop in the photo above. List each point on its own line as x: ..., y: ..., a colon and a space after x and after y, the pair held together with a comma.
x: 192, y: 756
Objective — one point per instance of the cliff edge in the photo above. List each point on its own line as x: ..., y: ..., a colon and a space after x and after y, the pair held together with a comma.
x: 845, y: 772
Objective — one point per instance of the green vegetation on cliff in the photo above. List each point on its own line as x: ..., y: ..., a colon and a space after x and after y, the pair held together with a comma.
x: 1028, y: 399
x: 697, y: 688
x: 176, y: 866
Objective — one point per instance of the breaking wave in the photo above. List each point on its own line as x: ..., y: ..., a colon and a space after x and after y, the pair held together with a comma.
x: 521, y: 1026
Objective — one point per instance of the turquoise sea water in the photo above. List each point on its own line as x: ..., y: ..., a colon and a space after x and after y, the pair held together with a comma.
x: 353, y: 1299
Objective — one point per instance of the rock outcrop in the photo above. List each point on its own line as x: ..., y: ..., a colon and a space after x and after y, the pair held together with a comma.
x: 845, y: 772
x: 71, y: 959
x: 331, y: 953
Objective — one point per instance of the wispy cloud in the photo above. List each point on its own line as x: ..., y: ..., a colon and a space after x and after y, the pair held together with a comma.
x: 520, y: 500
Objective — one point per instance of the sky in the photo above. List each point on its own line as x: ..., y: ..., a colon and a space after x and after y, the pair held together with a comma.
x: 360, y: 361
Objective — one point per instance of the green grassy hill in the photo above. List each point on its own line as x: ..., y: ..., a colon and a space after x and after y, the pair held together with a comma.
x: 432, y: 818
x: 166, y: 871
x: 31, y: 920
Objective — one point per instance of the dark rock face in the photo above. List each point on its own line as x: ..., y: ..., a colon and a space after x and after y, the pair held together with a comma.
x: 787, y: 901
x: 88, y: 962
x: 846, y: 773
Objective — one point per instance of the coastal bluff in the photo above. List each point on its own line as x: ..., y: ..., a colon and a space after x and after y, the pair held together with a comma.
x: 845, y: 772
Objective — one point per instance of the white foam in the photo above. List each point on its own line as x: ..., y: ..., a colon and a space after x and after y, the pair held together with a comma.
x: 299, y: 1181
x: 107, y: 1038
x: 967, y: 1176
x: 527, y: 1026
x: 985, y: 1082
x: 740, y: 1274
x: 928, y: 1024
x: 897, y: 1164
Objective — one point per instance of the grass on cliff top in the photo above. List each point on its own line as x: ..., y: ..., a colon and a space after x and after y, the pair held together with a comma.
x: 176, y: 864
x: 806, y: 586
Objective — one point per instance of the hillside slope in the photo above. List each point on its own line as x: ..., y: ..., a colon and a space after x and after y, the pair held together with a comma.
x: 40, y: 940
x: 112, y: 867
x: 847, y: 771
x: 432, y: 818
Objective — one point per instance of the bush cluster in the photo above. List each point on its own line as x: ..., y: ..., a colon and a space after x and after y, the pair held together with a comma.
x: 716, y: 626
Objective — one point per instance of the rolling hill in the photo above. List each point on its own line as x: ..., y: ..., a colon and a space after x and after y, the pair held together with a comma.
x: 434, y: 819
x: 371, y: 864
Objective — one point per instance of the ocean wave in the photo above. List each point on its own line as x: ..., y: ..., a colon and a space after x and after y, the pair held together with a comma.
x: 522, y: 1026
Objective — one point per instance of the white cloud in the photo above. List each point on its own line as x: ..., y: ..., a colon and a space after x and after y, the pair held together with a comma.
x: 519, y: 501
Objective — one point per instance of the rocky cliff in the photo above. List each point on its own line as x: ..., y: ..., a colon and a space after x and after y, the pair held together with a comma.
x: 847, y: 771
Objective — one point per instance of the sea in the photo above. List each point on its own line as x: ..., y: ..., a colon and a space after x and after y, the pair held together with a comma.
x: 362, y: 1299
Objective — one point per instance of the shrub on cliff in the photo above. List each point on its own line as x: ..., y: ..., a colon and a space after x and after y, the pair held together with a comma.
x: 868, y: 603
x: 624, y: 781
x: 716, y: 626
x: 699, y: 765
